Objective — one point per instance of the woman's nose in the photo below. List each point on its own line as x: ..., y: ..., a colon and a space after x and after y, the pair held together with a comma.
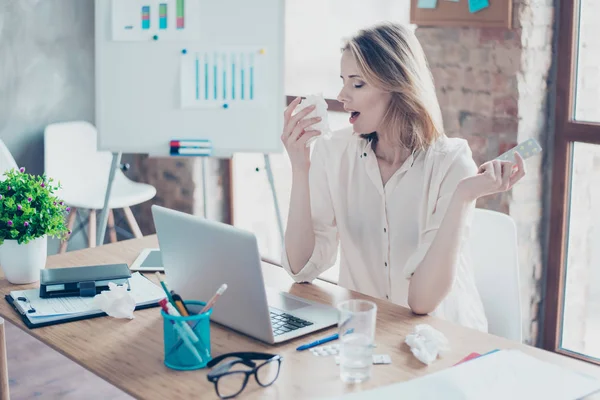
x: 342, y: 98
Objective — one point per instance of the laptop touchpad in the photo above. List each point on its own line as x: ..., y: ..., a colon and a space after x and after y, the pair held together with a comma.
x: 283, y: 302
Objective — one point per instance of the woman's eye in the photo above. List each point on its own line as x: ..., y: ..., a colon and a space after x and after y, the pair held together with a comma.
x: 358, y: 85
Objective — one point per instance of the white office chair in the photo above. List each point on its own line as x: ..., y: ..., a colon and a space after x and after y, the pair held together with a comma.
x: 494, y: 254
x: 71, y: 157
x: 7, y: 162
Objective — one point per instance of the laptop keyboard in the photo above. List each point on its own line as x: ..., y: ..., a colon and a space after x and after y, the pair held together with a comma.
x: 284, y: 323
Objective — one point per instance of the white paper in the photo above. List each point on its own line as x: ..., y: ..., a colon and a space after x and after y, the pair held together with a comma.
x: 128, y: 23
x: 505, y: 374
x: 142, y: 290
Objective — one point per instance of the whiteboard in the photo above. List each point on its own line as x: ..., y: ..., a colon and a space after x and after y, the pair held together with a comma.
x: 189, y: 69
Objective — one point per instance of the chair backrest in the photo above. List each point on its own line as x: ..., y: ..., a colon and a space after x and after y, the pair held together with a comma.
x: 71, y: 156
x: 494, y: 254
x: 7, y: 162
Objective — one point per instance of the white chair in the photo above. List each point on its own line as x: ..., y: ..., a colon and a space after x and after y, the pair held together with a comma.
x: 7, y: 162
x: 494, y: 254
x: 71, y: 157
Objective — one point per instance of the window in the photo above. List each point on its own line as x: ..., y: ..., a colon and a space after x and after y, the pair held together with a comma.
x: 572, y: 321
x: 315, y: 30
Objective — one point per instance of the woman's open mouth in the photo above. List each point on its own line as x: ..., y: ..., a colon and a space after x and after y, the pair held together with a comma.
x: 354, y: 116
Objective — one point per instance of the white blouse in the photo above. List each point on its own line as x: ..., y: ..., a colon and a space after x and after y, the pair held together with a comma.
x: 384, y: 231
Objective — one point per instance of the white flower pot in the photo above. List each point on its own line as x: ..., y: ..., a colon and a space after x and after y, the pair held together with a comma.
x: 21, y: 263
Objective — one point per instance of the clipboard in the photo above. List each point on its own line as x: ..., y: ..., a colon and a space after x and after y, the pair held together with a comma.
x: 37, y: 312
x: 63, y: 319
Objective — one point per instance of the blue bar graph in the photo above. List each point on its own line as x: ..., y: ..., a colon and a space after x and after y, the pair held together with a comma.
x: 232, y: 77
x: 224, y: 77
x: 206, y: 76
x: 251, y: 76
x: 220, y: 77
x: 215, y: 77
x: 242, y: 75
x: 197, y: 79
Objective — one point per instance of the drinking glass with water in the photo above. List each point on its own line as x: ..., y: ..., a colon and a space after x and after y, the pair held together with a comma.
x: 357, y: 335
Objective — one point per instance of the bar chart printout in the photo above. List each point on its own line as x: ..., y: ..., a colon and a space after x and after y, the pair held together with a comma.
x: 154, y: 20
x: 163, y: 16
x: 180, y: 14
x: 220, y: 78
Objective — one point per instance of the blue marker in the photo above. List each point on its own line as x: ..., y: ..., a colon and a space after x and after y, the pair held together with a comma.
x: 319, y: 342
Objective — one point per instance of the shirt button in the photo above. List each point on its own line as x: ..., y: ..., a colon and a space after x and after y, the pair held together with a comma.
x: 387, y: 297
x: 386, y: 264
x: 384, y: 230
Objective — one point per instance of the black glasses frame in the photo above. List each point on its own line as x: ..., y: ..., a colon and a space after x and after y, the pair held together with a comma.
x: 241, y: 358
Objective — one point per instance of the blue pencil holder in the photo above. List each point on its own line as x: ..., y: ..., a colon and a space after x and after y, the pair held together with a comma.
x: 187, y: 339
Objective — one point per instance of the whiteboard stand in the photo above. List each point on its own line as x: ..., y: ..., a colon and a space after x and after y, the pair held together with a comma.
x: 276, y: 204
x: 116, y: 159
x: 204, y: 197
x: 111, y: 176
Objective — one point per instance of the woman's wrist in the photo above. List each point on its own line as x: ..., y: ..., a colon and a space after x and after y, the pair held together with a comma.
x: 463, y: 193
x: 300, y: 172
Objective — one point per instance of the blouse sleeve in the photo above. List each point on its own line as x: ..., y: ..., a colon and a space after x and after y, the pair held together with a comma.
x: 461, y: 167
x: 323, y: 218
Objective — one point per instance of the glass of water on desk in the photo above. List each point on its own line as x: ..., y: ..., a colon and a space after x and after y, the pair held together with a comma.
x: 357, y: 335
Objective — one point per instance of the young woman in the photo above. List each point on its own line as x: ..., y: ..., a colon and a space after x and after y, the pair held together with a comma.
x: 393, y: 191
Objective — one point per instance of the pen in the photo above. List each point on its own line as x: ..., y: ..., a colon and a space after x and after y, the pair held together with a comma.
x: 207, y: 307
x: 214, y: 299
x: 164, y: 286
x: 318, y: 342
x: 171, y: 310
x: 180, y: 304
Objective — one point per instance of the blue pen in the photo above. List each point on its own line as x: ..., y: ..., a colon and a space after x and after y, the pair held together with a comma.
x: 319, y: 342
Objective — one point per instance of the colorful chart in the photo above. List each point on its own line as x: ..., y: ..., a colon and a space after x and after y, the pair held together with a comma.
x: 145, y: 20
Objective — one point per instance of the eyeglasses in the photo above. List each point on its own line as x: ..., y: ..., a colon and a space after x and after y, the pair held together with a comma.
x: 229, y: 383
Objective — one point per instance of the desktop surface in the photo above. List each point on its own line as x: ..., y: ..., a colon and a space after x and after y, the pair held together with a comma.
x: 129, y: 353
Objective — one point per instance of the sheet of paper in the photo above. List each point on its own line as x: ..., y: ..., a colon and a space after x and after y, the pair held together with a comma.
x: 505, y: 374
x: 142, y: 290
x: 478, y: 5
x: 222, y: 77
x: 427, y: 4
x: 151, y: 20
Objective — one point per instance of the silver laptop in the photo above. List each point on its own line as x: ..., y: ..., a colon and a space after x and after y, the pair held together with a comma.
x: 200, y: 255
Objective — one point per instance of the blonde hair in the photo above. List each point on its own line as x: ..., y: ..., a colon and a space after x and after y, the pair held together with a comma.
x: 390, y: 57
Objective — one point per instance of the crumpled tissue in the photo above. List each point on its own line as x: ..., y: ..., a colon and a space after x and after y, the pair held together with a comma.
x: 320, y: 111
x: 426, y: 343
x: 116, y: 302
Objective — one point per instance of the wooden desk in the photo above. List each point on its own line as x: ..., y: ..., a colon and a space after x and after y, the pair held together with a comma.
x: 129, y: 353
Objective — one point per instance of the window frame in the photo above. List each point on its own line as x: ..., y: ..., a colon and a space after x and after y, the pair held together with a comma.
x: 568, y: 131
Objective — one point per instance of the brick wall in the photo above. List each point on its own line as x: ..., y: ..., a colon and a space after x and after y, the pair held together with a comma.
x: 178, y: 183
x: 492, y: 85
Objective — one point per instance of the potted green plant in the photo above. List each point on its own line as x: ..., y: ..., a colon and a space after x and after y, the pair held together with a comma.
x: 30, y: 212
